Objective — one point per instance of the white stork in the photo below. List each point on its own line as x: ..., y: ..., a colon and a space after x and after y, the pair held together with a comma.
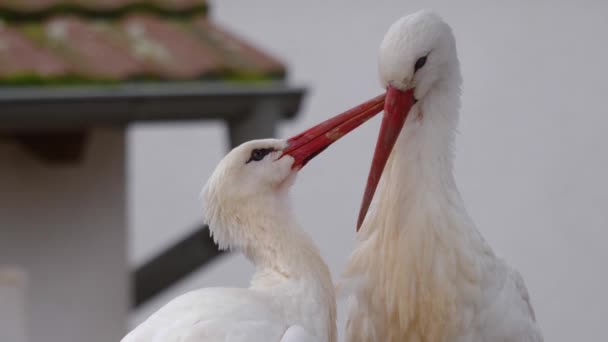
x: 291, y: 297
x: 423, y: 273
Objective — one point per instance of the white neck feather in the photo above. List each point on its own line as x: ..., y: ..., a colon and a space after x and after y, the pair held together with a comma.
x: 286, y: 259
x: 418, y: 234
x: 419, y: 173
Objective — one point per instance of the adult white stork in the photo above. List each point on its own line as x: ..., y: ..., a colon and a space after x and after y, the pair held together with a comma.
x: 291, y: 297
x: 423, y: 271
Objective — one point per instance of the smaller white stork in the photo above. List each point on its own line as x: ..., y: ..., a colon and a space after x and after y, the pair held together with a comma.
x: 291, y: 297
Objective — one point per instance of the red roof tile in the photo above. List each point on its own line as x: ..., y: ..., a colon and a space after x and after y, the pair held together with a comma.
x: 32, y: 60
x: 88, y: 50
x: 236, y: 53
x: 168, y: 49
x: 138, y: 44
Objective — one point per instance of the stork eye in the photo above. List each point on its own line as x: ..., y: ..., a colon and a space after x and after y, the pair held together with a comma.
x: 420, y: 63
x: 259, y: 154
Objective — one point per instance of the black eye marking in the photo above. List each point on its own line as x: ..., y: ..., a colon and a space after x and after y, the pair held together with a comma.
x: 259, y: 154
x: 420, y: 63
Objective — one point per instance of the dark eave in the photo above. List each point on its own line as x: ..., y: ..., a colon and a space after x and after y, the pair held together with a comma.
x: 34, y: 108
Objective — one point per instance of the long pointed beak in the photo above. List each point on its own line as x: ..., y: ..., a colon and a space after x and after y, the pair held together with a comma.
x: 308, y: 144
x: 396, y: 108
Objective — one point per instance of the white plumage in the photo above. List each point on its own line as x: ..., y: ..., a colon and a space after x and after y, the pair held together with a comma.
x: 291, y: 297
x: 423, y: 271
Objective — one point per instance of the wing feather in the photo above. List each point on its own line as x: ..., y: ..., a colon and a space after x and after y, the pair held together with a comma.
x: 218, y: 315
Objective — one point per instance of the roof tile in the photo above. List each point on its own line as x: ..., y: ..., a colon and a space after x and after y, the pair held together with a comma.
x: 32, y: 60
x: 168, y: 49
x: 235, y: 52
x: 88, y: 50
x: 49, y: 42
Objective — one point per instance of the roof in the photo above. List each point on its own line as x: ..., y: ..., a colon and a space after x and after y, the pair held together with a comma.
x: 99, y: 41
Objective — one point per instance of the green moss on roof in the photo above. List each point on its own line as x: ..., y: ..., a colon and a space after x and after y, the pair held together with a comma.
x: 34, y: 31
x: 251, y: 76
x: 19, y: 79
x: 11, y: 14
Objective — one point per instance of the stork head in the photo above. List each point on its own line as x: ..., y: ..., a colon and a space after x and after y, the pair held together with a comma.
x: 417, y: 56
x: 417, y: 53
x: 247, y: 190
x: 249, y: 172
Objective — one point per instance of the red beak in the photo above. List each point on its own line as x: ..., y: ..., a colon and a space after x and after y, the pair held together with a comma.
x: 396, y: 108
x: 308, y: 144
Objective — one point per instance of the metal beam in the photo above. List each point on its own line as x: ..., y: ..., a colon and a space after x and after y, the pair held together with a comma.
x: 183, y: 258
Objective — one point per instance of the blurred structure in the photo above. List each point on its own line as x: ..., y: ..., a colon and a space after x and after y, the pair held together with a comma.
x: 73, y: 75
x: 13, y: 286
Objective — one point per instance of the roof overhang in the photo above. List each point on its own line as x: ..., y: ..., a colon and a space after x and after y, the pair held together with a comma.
x: 58, y: 108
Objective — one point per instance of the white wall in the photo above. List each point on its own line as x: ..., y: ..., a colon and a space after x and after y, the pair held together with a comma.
x: 64, y: 226
x: 531, y: 157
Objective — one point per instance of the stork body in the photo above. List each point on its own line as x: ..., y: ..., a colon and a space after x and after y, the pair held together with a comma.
x: 423, y: 271
x: 246, y: 205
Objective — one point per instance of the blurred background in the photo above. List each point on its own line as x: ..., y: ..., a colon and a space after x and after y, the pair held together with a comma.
x: 531, y: 153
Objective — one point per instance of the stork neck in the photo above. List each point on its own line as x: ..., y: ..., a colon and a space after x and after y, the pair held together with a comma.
x: 290, y: 268
x: 286, y: 249
x: 418, y: 176
x: 263, y: 228
x: 423, y: 153
x: 288, y: 265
